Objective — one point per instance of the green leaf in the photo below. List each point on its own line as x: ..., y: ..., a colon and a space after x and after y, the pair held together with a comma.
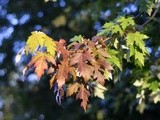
x: 138, y: 39
x: 139, y: 56
x: 115, y: 44
x: 107, y: 75
x: 78, y: 38
x: 154, y: 86
x: 114, y: 59
x: 146, y: 6
x: 130, y: 39
x: 108, y: 25
x: 125, y: 22
x: 116, y: 29
x: 132, y: 50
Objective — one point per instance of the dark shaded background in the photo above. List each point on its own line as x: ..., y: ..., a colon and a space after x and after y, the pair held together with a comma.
x: 25, y: 98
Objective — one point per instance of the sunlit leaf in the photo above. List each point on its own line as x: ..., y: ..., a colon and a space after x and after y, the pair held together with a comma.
x: 40, y: 63
x: 40, y: 39
x: 73, y: 88
x: 99, y: 90
x: 83, y: 94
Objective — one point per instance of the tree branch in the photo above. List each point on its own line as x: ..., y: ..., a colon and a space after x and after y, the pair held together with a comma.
x: 152, y: 17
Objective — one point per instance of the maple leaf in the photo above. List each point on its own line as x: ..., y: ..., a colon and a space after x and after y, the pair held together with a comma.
x: 116, y: 29
x: 40, y: 39
x: 99, y: 90
x: 34, y: 40
x: 104, y: 64
x: 77, y: 39
x: 114, y: 59
x: 136, y: 38
x: 52, y: 80
x: 40, y: 63
x: 50, y: 45
x: 83, y: 94
x: 125, y: 22
x: 99, y: 67
x: 61, y: 48
x: 72, y: 88
x: 62, y: 73
x: 72, y: 72
x: 98, y: 75
x: 139, y: 56
x: 102, y: 53
x: 81, y: 59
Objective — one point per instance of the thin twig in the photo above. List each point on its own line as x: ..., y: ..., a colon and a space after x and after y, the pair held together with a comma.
x: 152, y: 17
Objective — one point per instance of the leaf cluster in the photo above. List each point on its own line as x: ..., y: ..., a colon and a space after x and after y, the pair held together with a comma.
x: 82, y: 67
x: 77, y: 66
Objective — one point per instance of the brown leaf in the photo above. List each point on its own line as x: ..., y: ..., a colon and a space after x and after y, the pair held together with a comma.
x: 73, y: 88
x: 52, y: 80
x: 83, y: 94
x: 98, y: 75
x: 104, y: 64
x: 62, y: 73
x: 104, y: 53
x: 61, y: 48
x: 72, y: 71
x: 81, y: 60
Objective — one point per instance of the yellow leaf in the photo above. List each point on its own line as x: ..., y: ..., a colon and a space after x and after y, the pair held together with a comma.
x: 50, y: 45
x: 40, y: 39
x: 99, y: 90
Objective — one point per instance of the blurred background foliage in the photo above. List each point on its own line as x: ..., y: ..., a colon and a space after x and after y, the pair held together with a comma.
x: 25, y: 98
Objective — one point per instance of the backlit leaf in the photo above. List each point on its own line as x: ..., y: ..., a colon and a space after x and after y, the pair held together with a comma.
x: 40, y: 63
x: 62, y: 73
x: 73, y: 88
x: 81, y: 59
x: 125, y: 22
x: 99, y: 90
x: 61, y: 48
x: 40, y: 39
x: 78, y: 38
x: 139, y: 56
x: 83, y: 94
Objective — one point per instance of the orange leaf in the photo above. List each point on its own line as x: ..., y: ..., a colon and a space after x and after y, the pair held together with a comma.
x: 52, y: 80
x: 73, y: 88
x: 62, y: 73
x: 81, y: 59
x: 83, y: 94
x: 40, y: 63
x: 72, y: 71
x: 61, y: 48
